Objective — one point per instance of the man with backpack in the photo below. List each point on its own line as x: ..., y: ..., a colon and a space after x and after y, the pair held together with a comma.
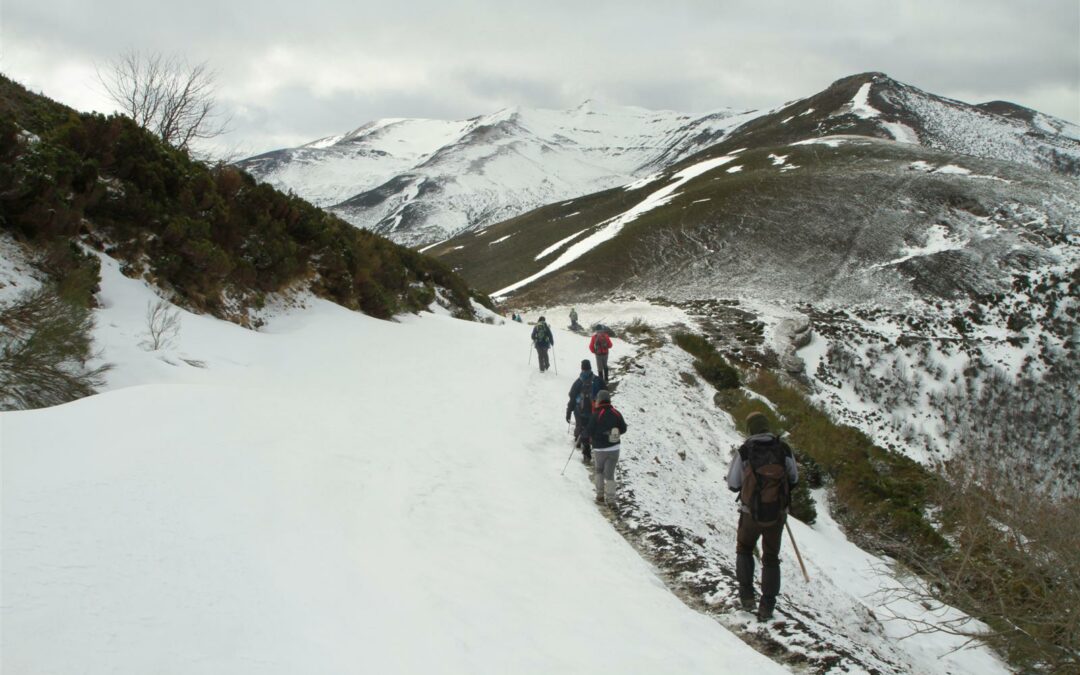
x: 582, y: 395
x: 543, y: 340
x: 763, y: 472
x: 605, y: 429
x: 574, y: 325
x: 600, y: 344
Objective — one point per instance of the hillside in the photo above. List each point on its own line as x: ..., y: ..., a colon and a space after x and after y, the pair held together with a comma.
x: 421, y: 181
x: 934, y: 282
x: 259, y: 510
x: 211, y: 235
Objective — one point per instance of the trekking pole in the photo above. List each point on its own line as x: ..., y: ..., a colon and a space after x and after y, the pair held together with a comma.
x: 796, y: 547
x: 554, y: 358
x: 572, y: 449
x: 530, y: 353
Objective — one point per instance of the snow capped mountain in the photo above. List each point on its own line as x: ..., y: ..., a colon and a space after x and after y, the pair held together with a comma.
x: 420, y: 181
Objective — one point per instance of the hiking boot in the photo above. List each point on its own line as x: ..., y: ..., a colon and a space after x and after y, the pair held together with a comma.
x: 599, y: 499
x: 770, y: 588
x: 747, y: 602
x: 765, y: 610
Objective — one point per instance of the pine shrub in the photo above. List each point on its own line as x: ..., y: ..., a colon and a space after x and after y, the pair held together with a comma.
x: 45, y: 347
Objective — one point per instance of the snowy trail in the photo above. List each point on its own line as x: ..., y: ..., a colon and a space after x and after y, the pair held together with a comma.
x: 335, y: 495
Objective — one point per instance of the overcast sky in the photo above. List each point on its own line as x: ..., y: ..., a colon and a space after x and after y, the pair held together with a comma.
x: 290, y: 72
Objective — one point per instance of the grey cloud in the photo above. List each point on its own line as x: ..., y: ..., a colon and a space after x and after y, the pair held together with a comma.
x: 356, y: 61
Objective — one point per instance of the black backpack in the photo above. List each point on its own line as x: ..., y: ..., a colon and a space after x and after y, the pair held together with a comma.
x: 585, y: 396
x: 765, y: 491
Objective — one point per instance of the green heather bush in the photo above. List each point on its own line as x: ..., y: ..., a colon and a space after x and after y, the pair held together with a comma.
x: 708, y: 363
x: 201, y: 230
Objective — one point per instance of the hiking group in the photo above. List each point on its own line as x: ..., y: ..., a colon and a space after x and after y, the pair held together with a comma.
x: 598, y: 428
x: 763, y: 470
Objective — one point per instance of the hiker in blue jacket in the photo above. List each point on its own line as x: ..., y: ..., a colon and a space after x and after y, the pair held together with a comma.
x: 543, y: 340
x: 582, y: 396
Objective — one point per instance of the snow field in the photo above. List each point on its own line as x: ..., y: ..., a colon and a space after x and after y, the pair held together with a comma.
x: 336, y: 494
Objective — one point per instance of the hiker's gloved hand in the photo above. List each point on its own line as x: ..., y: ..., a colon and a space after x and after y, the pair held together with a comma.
x: 568, y: 418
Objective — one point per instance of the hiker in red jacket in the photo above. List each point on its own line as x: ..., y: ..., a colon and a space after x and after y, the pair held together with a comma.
x: 600, y: 344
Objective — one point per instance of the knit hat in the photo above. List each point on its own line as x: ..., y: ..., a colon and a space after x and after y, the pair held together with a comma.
x: 603, y: 396
x: 757, y: 423
x: 586, y: 365
x: 541, y: 319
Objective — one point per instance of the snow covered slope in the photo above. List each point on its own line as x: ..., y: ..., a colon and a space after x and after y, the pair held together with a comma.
x: 420, y: 181
x: 335, y: 495
x: 331, y: 496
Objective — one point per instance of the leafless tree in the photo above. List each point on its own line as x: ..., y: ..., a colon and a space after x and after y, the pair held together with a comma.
x: 166, y: 95
x: 162, y: 325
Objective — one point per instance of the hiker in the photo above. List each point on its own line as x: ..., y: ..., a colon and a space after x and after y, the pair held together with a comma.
x: 599, y: 345
x: 763, y: 472
x: 573, y: 320
x: 582, y: 395
x: 543, y: 340
x: 605, y: 429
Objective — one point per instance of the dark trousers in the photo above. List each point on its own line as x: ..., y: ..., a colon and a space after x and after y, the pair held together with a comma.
x: 750, y: 532
x: 541, y: 353
x: 581, y: 439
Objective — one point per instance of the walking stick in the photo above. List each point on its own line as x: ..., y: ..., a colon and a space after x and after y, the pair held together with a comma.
x: 796, y: 547
x: 554, y: 358
x: 530, y: 353
x: 572, y: 449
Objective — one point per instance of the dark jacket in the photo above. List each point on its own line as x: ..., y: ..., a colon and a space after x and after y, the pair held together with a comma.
x: 603, y: 420
x: 735, y: 473
x: 575, y: 391
x: 542, y: 336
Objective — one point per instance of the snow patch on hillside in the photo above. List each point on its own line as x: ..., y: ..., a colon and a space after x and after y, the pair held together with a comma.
x: 559, y: 244
x: 860, y: 104
x: 610, y: 229
x: 901, y: 132
x: 938, y: 240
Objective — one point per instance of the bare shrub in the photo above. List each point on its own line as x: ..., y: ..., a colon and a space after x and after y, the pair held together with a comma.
x: 166, y: 95
x: 162, y: 325
x: 1014, y: 565
x: 45, y: 344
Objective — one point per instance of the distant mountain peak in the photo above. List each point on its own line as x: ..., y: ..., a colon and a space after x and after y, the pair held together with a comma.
x: 422, y: 181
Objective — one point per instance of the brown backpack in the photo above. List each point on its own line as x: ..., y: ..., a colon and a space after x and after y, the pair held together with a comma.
x: 765, y: 491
